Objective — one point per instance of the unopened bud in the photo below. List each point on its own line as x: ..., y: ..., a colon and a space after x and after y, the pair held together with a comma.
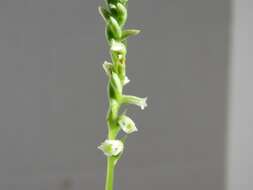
x: 129, y: 32
x: 114, y: 27
x: 116, y: 86
x: 104, y: 13
x: 120, y: 13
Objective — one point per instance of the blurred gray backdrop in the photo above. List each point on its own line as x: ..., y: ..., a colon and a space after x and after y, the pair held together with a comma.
x: 53, y: 95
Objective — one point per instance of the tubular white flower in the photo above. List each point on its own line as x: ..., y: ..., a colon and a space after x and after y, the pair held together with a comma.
x: 141, y: 102
x: 127, y: 124
x: 111, y: 147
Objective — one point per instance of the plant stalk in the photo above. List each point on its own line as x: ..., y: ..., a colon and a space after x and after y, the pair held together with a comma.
x: 110, y: 174
x: 115, y: 15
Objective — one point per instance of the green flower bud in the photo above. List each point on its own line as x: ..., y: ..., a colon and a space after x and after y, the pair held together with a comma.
x: 116, y: 86
x: 128, y: 33
x: 113, y: 112
x: 104, y: 13
x: 112, y: 1
x: 108, y: 34
x: 122, y: 14
x: 127, y: 124
x: 114, y: 27
x: 124, y: 2
x: 108, y: 68
x: 121, y: 70
x: 116, y: 82
x: 141, y: 102
x: 111, y: 147
x: 119, y: 12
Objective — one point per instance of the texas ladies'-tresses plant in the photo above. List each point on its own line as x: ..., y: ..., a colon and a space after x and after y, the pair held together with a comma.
x: 114, y: 14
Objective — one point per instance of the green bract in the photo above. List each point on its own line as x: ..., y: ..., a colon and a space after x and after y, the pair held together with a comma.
x: 115, y: 16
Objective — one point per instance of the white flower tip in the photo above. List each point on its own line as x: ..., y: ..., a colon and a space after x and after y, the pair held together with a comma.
x: 118, y: 46
x: 127, y: 80
x: 144, y: 103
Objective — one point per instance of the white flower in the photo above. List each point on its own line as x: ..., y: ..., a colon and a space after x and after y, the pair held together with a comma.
x: 118, y: 47
x: 141, y: 102
x: 108, y: 68
x: 127, y: 124
x: 111, y: 147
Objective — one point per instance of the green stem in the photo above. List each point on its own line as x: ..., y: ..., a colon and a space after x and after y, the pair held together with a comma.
x: 110, y: 174
x: 115, y: 16
x: 112, y: 134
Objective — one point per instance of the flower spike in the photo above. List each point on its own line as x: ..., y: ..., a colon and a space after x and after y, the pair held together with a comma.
x: 115, y: 16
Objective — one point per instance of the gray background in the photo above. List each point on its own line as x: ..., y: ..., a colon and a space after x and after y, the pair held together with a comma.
x: 53, y: 95
x: 240, y: 131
